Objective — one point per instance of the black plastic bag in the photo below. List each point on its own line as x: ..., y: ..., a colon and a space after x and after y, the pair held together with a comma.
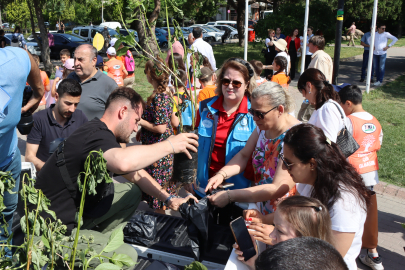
x: 141, y: 230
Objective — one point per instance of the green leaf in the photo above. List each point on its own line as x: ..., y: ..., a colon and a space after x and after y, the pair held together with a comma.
x: 45, y: 241
x: 122, y: 259
x: 195, y: 266
x: 51, y: 213
x: 115, y: 241
x: 107, y: 266
x: 129, y: 21
x: 122, y: 51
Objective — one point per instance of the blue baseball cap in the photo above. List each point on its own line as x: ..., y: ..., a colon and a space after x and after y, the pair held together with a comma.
x: 100, y: 61
x: 340, y: 86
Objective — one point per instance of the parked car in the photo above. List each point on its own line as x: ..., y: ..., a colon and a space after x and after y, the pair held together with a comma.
x: 161, y: 38
x: 188, y: 30
x: 112, y: 25
x: 88, y: 32
x: 212, y: 36
x: 32, y: 39
x: 32, y: 47
x: 230, y: 23
x: 162, y: 31
x: 124, y: 32
x: 234, y: 32
x: 6, y: 25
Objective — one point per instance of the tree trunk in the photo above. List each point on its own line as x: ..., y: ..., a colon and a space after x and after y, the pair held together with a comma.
x: 1, y: 22
x: 45, y: 51
x: 240, y: 21
x: 145, y: 34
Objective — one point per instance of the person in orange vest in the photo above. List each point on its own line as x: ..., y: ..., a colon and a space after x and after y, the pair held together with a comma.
x: 115, y: 68
x: 368, y: 133
x: 279, y: 65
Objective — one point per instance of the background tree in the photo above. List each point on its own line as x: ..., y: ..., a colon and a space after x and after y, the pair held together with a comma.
x: 60, y: 10
x: 18, y: 13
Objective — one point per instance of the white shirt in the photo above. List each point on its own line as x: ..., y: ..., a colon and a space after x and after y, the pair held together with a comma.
x: 286, y: 57
x: 347, y: 216
x: 329, y: 119
x: 380, y: 42
x: 205, y: 49
x: 370, y: 178
x: 266, y: 42
x: 302, y: 45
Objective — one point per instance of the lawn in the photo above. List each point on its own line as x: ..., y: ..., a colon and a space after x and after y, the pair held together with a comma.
x: 387, y: 104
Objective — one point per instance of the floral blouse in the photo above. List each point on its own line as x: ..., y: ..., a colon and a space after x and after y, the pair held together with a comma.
x: 265, y: 160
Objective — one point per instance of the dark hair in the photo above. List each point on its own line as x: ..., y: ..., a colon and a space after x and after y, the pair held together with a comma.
x: 351, y: 93
x: 1, y: 32
x: 324, y: 90
x: 318, y: 41
x: 197, y: 31
x: 123, y: 93
x: 66, y: 72
x: 17, y: 29
x: 64, y: 52
x: 282, y: 62
x: 334, y: 172
x: 70, y: 87
x: 178, y: 61
x: 310, y: 27
x: 381, y: 24
x: 319, y: 33
x: 156, y: 70
x: 292, y: 32
x: 301, y: 253
x: 257, y: 66
x: 183, y: 77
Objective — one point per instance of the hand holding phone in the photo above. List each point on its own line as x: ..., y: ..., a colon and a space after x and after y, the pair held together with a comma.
x: 243, y: 238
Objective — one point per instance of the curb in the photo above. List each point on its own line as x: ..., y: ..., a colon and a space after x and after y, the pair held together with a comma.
x: 383, y: 188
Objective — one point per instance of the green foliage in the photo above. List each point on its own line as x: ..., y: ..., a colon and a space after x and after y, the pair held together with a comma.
x: 60, y: 9
x: 195, y: 266
x: 292, y: 15
x: 18, y: 12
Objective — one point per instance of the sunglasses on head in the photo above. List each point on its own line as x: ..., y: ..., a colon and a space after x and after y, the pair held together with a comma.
x: 259, y: 115
x: 227, y: 82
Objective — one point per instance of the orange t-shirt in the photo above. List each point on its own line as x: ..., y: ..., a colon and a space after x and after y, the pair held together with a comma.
x: 207, y: 92
x: 45, y: 82
x: 122, y: 59
x: 115, y: 71
x: 281, y: 79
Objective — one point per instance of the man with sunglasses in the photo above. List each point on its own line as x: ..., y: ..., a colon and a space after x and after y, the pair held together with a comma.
x: 380, y: 52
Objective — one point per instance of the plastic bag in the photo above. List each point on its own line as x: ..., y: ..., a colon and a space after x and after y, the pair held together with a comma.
x: 141, y: 230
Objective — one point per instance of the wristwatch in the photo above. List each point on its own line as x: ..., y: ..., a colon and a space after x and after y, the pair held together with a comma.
x: 166, y: 202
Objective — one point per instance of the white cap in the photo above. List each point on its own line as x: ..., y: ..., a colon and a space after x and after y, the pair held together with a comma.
x: 112, y: 42
x: 111, y: 51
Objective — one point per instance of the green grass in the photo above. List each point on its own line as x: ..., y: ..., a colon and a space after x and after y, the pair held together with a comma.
x: 400, y: 43
x: 387, y: 104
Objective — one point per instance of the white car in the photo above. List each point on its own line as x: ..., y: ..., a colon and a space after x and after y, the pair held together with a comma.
x: 234, y: 32
x: 112, y: 25
x: 211, y: 35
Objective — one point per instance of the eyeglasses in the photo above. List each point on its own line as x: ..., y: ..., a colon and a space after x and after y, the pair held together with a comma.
x: 259, y: 115
x: 281, y: 156
x: 226, y: 82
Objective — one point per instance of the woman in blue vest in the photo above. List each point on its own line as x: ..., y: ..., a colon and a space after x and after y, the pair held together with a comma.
x: 271, y: 105
x: 224, y: 125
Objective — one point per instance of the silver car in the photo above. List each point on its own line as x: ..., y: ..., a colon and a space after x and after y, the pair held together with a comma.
x: 32, y: 46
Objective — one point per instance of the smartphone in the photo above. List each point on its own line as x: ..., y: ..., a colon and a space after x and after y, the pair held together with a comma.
x: 225, y: 185
x: 243, y: 238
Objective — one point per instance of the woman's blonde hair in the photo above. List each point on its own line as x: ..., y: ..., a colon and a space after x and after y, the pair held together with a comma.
x: 269, y: 31
x: 156, y: 71
x: 242, y: 67
x: 275, y: 94
x: 308, y: 216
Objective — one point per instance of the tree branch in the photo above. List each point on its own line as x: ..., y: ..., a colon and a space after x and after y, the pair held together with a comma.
x: 155, y: 13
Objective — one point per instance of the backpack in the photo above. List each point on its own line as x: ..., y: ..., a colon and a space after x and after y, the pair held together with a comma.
x: 14, y: 38
x: 129, y: 63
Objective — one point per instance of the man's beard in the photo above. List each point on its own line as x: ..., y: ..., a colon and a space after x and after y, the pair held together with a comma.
x: 122, y: 134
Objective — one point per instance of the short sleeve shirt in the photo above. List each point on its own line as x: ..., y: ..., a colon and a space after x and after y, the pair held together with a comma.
x: 15, y: 66
x: 45, y: 82
x: 93, y: 135
x: 95, y: 92
x: 47, y: 130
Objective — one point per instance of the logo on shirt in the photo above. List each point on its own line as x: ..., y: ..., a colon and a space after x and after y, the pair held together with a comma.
x: 368, y: 128
x: 243, y: 122
x: 116, y: 67
x: 210, y: 116
x: 207, y: 123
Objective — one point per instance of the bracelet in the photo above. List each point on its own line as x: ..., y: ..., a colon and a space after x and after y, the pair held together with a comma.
x: 171, y: 145
x: 229, y: 196
x: 166, y: 202
x: 224, y: 176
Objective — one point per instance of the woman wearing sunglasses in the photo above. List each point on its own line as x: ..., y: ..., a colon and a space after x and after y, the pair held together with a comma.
x: 271, y: 105
x: 328, y: 113
x: 321, y: 171
x: 224, y: 125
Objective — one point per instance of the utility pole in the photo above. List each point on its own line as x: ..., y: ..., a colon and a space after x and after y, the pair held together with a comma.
x: 102, y: 11
x: 246, y: 29
x: 370, y: 53
x: 338, y: 40
x: 304, y: 42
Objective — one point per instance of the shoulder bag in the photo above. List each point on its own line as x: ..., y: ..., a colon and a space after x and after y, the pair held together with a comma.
x: 345, y: 140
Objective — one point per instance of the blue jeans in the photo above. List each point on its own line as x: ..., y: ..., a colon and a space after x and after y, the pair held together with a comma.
x: 379, y: 66
x: 10, y: 200
x: 365, y: 65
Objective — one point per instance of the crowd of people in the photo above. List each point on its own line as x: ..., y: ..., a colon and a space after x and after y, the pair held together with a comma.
x: 309, y: 190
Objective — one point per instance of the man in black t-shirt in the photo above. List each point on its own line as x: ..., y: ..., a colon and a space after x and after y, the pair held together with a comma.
x: 113, y: 204
x: 55, y: 124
